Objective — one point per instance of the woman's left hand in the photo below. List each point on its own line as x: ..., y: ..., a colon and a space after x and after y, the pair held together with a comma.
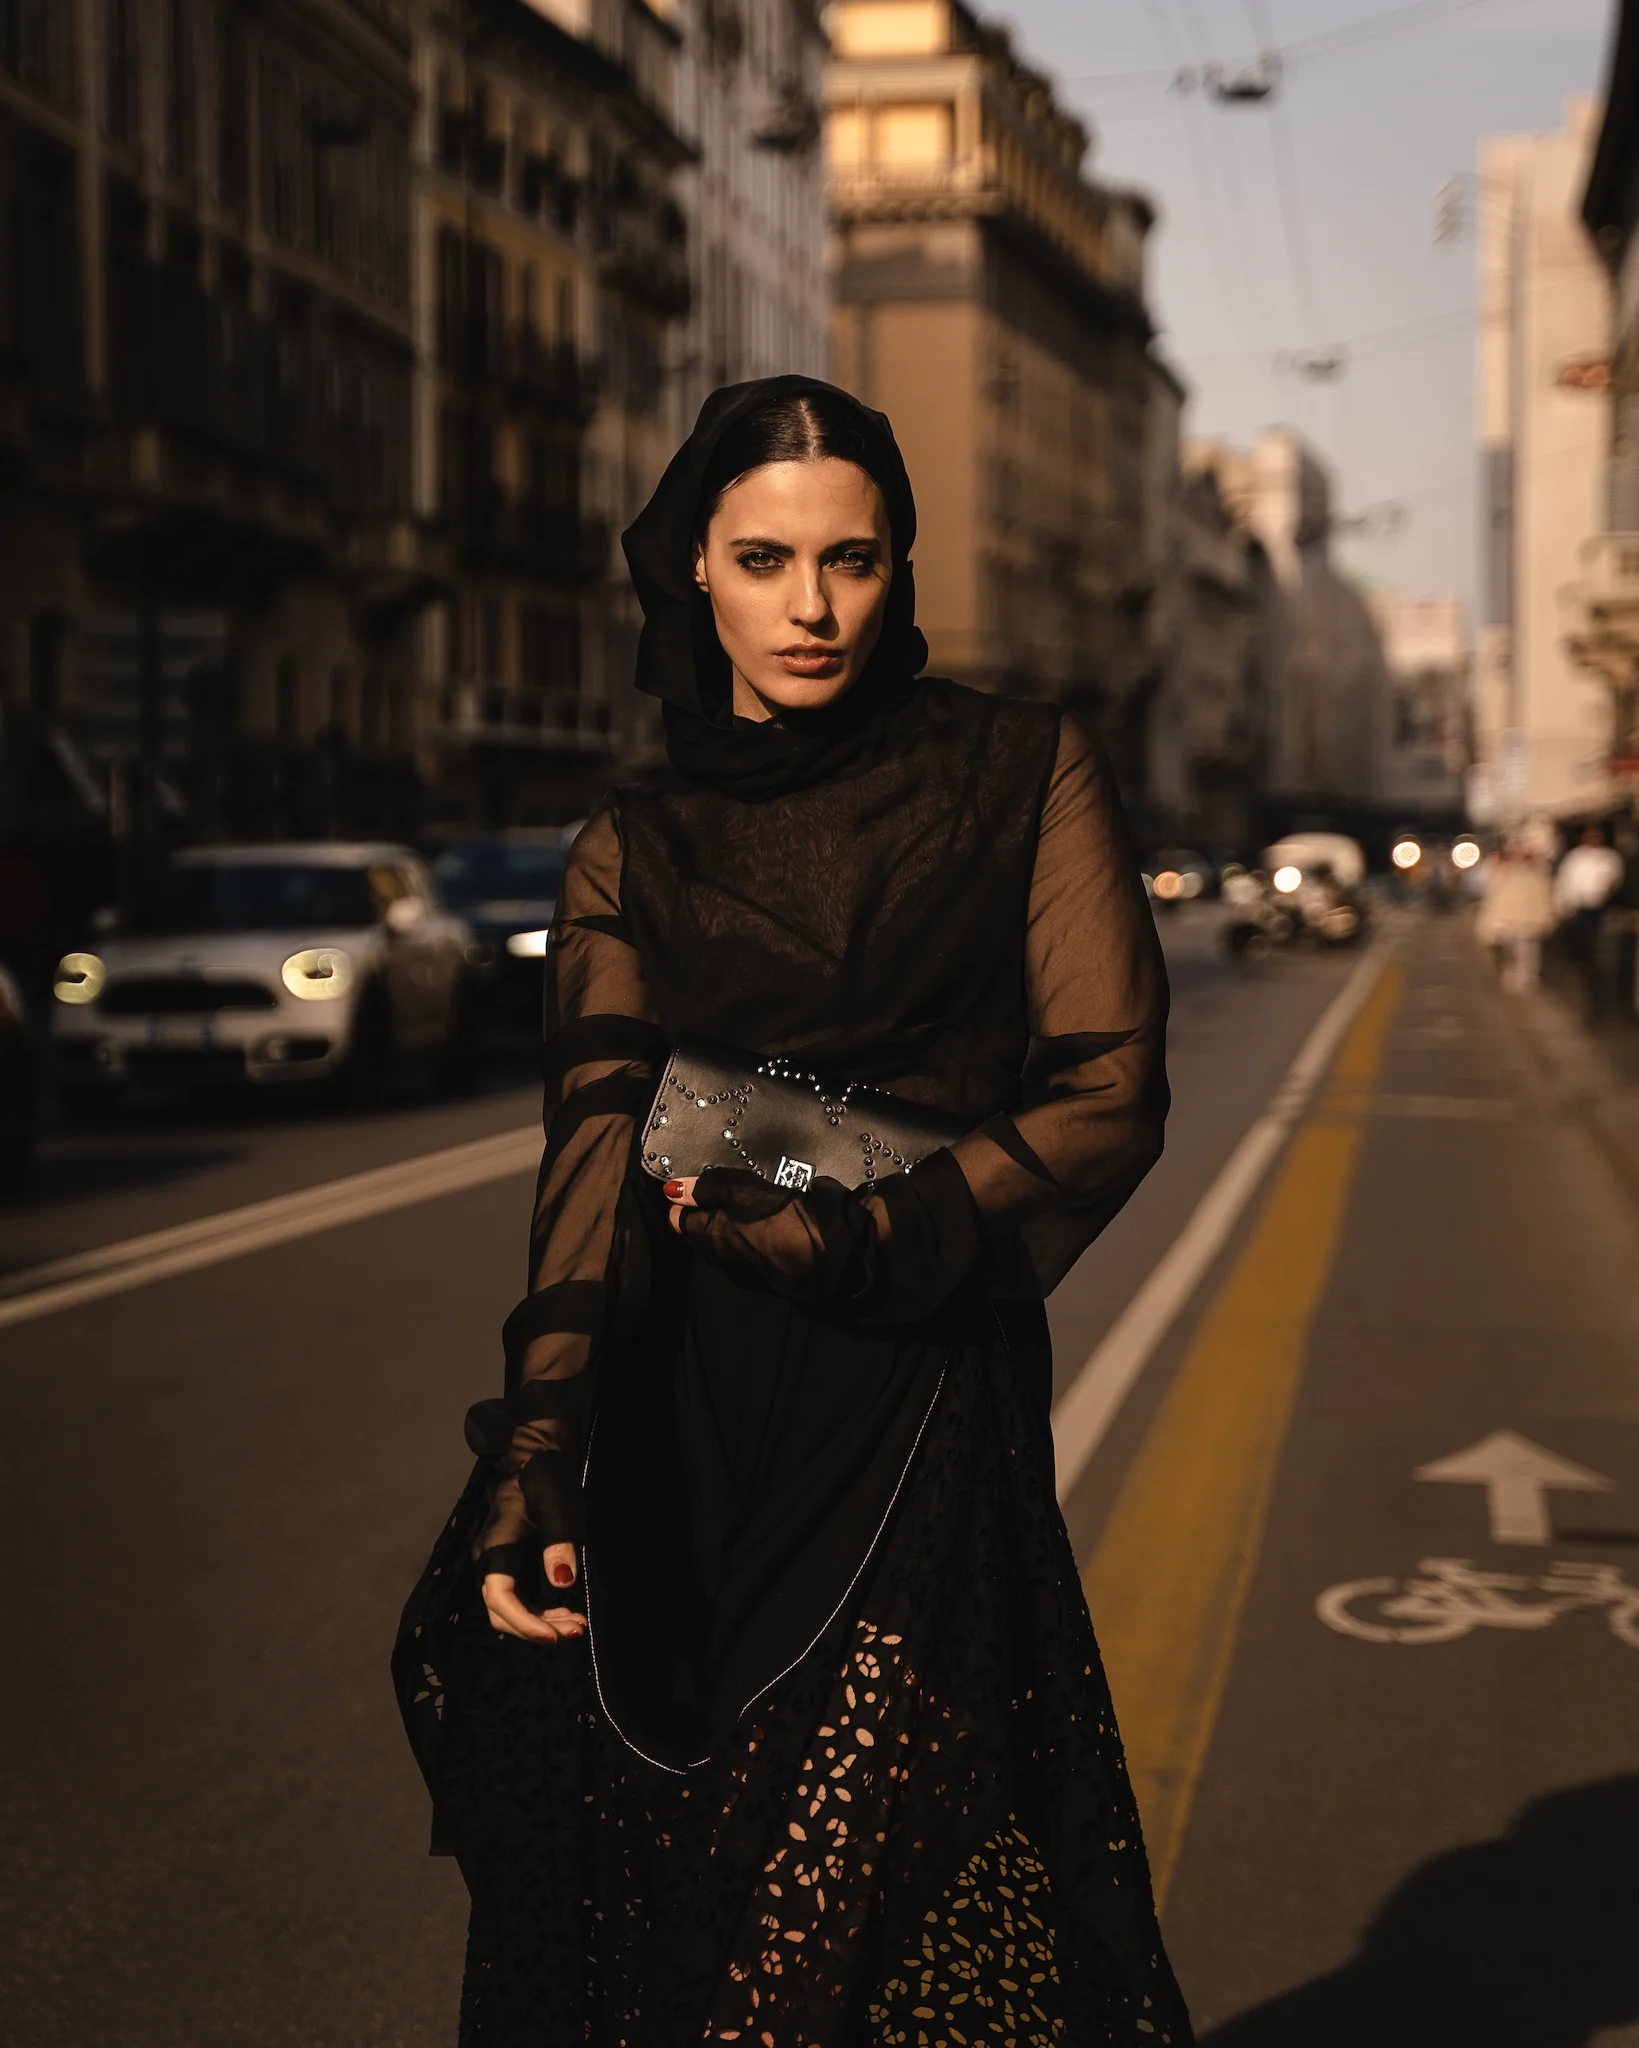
x: 680, y: 1195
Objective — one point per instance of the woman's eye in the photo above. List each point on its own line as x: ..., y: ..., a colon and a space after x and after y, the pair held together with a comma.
x: 860, y: 563
x: 758, y: 560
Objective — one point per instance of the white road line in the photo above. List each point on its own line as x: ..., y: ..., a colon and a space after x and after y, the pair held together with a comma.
x: 1093, y: 1399
x: 135, y: 1261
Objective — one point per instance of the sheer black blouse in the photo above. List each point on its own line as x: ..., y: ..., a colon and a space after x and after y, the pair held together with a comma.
x: 957, y: 919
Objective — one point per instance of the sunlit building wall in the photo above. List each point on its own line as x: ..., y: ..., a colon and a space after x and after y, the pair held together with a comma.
x: 1602, y: 606
x: 990, y: 299
x: 1541, y: 721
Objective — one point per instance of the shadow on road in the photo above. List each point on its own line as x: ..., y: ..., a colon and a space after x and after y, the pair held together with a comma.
x: 1530, y: 1941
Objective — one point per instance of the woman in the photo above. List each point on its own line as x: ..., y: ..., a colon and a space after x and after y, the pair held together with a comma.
x: 827, y: 1757
x: 1515, y: 914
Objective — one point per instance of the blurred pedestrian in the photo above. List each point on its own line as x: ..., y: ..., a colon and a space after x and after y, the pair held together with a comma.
x: 1515, y: 915
x: 1588, y: 877
x: 844, y: 1748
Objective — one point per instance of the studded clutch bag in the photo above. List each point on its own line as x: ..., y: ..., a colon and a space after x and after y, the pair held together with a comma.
x: 719, y: 1107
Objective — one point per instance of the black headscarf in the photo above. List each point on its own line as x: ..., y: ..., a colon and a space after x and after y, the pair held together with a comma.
x: 680, y: 659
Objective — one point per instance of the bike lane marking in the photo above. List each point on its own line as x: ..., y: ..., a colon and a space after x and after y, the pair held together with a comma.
x: 1083, y: 1414
x: 1517, y: 1476
x: 1169, y: 1579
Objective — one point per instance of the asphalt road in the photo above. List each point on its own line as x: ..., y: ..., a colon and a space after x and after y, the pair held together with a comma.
x: 217, y: 1486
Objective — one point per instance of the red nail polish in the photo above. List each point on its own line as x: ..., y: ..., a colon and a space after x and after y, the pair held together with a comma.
x: 674, y: 1190
x: 562, y: 1575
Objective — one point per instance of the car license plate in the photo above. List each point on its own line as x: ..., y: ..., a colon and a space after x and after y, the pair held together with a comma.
x: 179, y: 1034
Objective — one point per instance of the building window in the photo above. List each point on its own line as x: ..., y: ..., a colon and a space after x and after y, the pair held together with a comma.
x: 279, y: 185
x: 181, y: 110
x: 121, y: 70
x: 232, y: 106
x: 913, y: 135
x: 549, y: 658
x: 452, y: 299
x: 371, y: 706
x: 489, y: 639
x: 287, y: 702
x: 37, y: 47
x: 845, y: 138
x: 47, y: 644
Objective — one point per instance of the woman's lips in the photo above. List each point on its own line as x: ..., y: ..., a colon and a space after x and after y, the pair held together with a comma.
x: 809, y: 661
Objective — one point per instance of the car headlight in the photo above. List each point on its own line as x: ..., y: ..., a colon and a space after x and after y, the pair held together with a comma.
x: 319, y: 974
x: 528, y: 945
x: 1465, y: 854
x: 1407, y: 853
x: 79, y: 978
x: 1288, y: 880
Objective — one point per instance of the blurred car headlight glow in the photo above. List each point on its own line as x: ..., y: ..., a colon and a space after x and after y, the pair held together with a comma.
x: 527, y: 945
x: 1407, y: 853
x: 1465, y: 854
x: 79, y: 978
x: 319, y: 974
x: 1288, y: 880
x: 1190, y: 884
x: 1169, y: 885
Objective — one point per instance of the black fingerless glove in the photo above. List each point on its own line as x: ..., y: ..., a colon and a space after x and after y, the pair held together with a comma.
x: 892, y: 1252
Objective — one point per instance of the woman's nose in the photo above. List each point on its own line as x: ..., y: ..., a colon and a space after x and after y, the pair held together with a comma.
x: 809, y: 605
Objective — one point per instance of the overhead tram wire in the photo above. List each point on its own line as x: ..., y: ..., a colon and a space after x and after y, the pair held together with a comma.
x: 1373, y: 341
x: 1233, y: 188
x: 1231, y: 282
x: 1302, y: 50
x: 1294, y: 223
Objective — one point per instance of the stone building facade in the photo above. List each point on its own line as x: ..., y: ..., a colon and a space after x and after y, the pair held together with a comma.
x: 1542, y: 720
x: 1601, y: 611
x: 751, y: 77
x: 551, y: 266
x: 1426, y: 748
x: 1317, y: 704
x: 990, y: 299
x: 205, y: 385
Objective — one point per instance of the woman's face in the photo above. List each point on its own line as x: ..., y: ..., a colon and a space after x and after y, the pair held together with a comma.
x: 797, y: 562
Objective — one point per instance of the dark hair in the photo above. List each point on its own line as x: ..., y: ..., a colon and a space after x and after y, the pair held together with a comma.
x: 809, y: 427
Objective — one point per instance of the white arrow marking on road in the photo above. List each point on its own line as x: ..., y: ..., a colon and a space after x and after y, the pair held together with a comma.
x: 1517, y: 1474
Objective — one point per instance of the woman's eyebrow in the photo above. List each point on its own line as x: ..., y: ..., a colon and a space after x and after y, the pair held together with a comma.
x: 780, y: 547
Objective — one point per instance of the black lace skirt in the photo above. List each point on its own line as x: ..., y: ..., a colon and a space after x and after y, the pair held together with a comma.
x: 924, y: 1833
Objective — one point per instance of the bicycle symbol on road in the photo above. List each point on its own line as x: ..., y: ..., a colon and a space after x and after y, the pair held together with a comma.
x: 1452, y: 1598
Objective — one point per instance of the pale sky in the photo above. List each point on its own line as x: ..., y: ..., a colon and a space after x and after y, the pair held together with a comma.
x: 1374, y: 126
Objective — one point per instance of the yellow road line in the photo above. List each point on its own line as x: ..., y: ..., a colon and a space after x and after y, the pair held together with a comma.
x: 1169, y: 1580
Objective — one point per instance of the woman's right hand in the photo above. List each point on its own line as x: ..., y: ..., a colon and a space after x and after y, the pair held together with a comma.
x: 508, y: 1615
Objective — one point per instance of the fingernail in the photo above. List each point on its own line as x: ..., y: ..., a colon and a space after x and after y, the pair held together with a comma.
x: 674, y: 1191
x: 562, y: 1575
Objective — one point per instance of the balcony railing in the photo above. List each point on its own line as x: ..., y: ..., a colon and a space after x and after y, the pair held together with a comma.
x: 861, y: 184
x: 487, y: 715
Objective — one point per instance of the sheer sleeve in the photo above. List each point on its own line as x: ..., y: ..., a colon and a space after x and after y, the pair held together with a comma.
x: 1035, y: 1188
x: 1095, y: 1102
x: 603, y: 1052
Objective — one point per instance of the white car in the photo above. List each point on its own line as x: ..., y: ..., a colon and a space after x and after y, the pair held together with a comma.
x: 270, y: 965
